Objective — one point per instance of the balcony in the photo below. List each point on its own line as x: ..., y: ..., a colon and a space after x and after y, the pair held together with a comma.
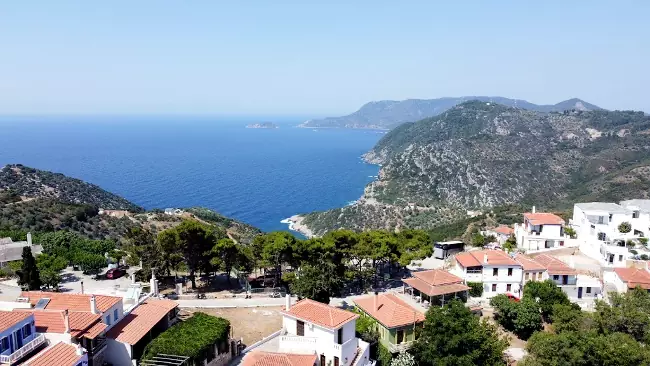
x: 298, y: 343
x: 398, y: 348
x: 23, y: 351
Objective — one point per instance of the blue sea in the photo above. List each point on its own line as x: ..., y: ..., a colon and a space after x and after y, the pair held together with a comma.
x: 259, y: 176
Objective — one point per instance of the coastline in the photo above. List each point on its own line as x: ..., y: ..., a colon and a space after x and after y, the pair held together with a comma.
x: 295, y: 224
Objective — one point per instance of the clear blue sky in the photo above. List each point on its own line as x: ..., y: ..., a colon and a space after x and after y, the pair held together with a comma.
x: 298, y: 58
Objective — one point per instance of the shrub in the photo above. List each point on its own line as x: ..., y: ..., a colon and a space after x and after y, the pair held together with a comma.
x: 192, y: 338
x: 624, y: 227
x: 384, y: 357
x: 476, y: 289
x: 570, y: 232
x: 643, y: 241
x: 522, y: 318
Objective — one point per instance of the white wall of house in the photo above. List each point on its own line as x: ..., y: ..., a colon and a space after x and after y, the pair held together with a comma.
x: 469, y: 275
x: 506, y: 280
x: 535, y: 275
x: 55, y: 338
x: 611, y: 277
x: 549, y: 237
x: 111, y: 313
x: 325, y: 340
x: 118, y: 353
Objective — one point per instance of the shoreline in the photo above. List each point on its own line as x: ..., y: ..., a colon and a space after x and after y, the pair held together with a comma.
x: 295, y: 224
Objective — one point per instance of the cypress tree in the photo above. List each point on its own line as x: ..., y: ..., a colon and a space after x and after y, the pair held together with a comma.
x: 30, y: 278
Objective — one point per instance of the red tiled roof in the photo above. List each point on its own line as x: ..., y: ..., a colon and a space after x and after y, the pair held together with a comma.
x: 427, y: 289
x: 259, y: 358
x: 436, y: 277
x: 140, y: 321
x: 477, y: 258
x: 554, y: 266
x: 634, y: 277
x: 321, y: 314
x: 505, y: 230
x: 10, y: 318
x: 528, y: 264
x: 76, y: 302
x: 52, y: 321
x: 61, y: 354
x: 543, y: 218
x: 95, y: 330
x: 391, y: 311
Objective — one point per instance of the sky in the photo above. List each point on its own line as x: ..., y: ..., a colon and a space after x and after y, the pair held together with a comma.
x: 315, y: 58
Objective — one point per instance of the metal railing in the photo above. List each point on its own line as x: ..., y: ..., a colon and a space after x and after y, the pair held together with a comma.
x: 22, y: 351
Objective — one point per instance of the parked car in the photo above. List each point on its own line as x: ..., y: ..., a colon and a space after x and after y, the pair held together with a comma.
x: 512, y: 297
x: 114, y: 273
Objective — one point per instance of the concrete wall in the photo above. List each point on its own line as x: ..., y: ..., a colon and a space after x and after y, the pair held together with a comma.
x: 118, y: 353
x: 327, y: 339
x: 612, y: 278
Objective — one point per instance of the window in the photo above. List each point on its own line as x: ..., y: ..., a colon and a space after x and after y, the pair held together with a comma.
x: 588, y: 290
x: 108, y: 320
x: 115, y: 315
x: 556, y: 278
x: 300, y: 328
x: 27, y: 331
x: 494, y: 287
x: 400, y: 336
x: 508, y: 287
x: 340, y: 336
x: 539, y: 276
x: 509, y: 271
x: 495, y: 272
x: 620, y: 258
x: 635, y: 214
x: 4, y: 344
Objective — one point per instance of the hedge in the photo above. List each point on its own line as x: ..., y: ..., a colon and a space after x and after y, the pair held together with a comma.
x: 192, y: 338
x: 476, y: 289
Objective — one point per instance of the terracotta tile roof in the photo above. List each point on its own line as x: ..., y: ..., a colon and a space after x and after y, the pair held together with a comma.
x: 505, y: 230
x: 528, y: 264
x: 140, y: 321
x: 321, y: 314
x: 543, y: 218
x: 477, y: 258
x: 259, y: 358
x: 10, y: 318
x: 634, y: 277
x: 76, y: 302
x: 52, y: 321
x: 430, y: 290
x: 61, y: 354
x: 391, y: 311
x: 554, y: 266
x: 95, y: 330
x: 436, y: 277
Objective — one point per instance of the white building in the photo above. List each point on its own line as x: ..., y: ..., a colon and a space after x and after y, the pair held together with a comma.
x: 576, y: 286
x: 597, y: 226
x: 313, y: 334
x: 501, y: 233
x: 540, y: 231
x: 624, y: 279
x: 498, y: 272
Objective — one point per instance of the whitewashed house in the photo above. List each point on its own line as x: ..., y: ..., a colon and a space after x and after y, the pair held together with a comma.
x: 576, y: 286
x: 624, y: 279
x: 313, y: 334
x: 540, y: 231
x: 498, y: 272
x: 597, y: 225
x: 501, y: 233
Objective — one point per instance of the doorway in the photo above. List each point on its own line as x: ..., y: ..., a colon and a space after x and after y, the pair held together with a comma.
x: 579, y: 292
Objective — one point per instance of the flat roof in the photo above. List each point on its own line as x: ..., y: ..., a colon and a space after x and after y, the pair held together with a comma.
x: 602, y: 207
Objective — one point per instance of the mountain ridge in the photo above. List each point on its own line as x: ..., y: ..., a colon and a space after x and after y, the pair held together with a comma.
x: 481, y: 155
x: 387, y: 114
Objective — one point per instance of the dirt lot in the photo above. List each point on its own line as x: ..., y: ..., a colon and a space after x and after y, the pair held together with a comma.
x: 251, y: 324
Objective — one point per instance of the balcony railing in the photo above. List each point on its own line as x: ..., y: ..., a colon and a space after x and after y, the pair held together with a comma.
x: 398, y: 348
x: 298, y: 342
x: 22, y: 351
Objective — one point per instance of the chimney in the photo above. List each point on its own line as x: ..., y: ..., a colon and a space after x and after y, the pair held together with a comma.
x: 93, y: 305
x: 66, y: 321
x: 375, y: 301
x: 29, y: 239
x: 287, y: 302
x: 533, y: 209
x: 82, y: 287
x: 485, y: 258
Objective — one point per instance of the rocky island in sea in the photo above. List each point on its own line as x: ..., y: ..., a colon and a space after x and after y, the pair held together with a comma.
x: 262, y: 125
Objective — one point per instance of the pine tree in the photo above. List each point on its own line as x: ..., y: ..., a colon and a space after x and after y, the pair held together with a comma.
x: 30, y: 278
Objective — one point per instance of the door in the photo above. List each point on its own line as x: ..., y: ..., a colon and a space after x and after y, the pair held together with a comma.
x: 400, y: 336
x: 336, y: 361
x: 579, y: 292
x: 19, y: 338
x: 322, y: 360
x: 300, y: 328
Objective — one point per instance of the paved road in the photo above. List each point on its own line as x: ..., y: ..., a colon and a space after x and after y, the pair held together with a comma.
x: 254, y: 302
